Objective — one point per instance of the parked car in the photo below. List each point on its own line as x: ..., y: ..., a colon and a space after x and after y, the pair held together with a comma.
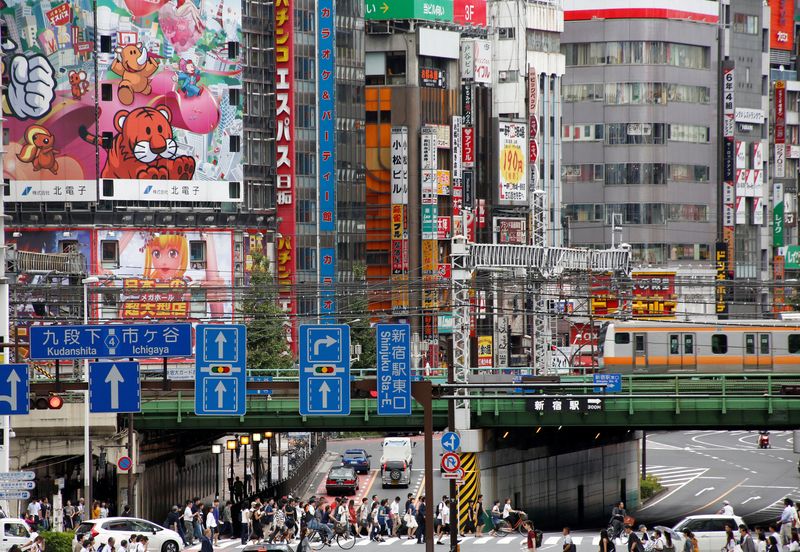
x: 395, y: 473
x: 358, y: 459
x: 14, y: 531
x: 342, y: 479
x: 121, y: 528
x: 709, y: 530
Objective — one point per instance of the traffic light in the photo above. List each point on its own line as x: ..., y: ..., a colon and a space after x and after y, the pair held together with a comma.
x: 48, y: 402
x: 220, y: 369
x: 324, y: 370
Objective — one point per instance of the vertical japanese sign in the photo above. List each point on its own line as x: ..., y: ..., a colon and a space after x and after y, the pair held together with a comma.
x: 533, y: 145
x: 721, y: 289
x: 729, y: 194
x: 394, y: 369
x: 284, y: 143
x: 399, y: 222
x: 501, y: 342
x: 326, y: 106
x: 777, y: 214
x: 779, y: 292
x: 458, y: 190
x: 512, y: 164
x: 430, y: 243
x: 780, y: 129
x: 327, y: 278
x: 781, y: 32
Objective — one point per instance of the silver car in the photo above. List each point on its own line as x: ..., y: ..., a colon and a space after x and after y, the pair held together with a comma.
x: 395, y: 473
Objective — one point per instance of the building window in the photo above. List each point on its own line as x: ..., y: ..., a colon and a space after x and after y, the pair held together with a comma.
x: 634, y: 133
x: 745, y: 24
x: 508, y: 76
x: 688, y: 133
x: 506, y: 33
x: 637, y: 53
x: 109, y: 252
x: 197, y: 254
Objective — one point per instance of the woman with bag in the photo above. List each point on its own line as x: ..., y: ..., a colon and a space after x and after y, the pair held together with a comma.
x: 480, y: 515
x: 411, y: 518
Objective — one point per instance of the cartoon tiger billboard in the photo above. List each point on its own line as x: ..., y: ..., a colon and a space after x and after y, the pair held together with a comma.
x: 138, y: 101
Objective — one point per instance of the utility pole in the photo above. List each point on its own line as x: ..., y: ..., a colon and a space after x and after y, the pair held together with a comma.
x: 5, y: 454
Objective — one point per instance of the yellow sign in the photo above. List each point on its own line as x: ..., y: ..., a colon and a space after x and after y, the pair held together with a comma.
x: 512, y: 163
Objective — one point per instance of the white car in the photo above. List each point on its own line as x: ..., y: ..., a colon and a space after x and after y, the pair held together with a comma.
x: 14, y: 531
x: 709, y: 530
x: 121, y: 528
x: 398, y: 448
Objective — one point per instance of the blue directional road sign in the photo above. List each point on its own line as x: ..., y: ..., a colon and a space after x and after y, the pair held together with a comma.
x: 110, y: 341
x: 220, y: 387
x: 451, y: 441
x: 325, y: 370
x: 394, y: 369
x: 14, y: 389
x: 613, y: 382
x: 114, y: 387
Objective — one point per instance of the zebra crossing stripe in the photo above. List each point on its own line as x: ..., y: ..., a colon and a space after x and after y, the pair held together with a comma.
x: 506, y: 540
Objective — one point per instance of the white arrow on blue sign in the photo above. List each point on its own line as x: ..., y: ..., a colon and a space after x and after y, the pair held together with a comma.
x: 114, y: 387
x: 324, y: 370
x: 17, y: 475
x: 451, y: 441
x: 17, y: 485
x: 14, y: 389
x: 220, y: 365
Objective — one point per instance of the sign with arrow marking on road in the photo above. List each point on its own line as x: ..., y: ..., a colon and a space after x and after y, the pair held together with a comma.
x: 220, y: 370
x: 324, y: 370
x: 14, y: 389
x: 114, y: 387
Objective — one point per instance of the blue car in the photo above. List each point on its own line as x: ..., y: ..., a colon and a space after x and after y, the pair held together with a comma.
x: 358, y: 459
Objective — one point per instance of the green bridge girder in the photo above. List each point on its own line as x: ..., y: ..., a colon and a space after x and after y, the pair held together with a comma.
x: 664, y: 401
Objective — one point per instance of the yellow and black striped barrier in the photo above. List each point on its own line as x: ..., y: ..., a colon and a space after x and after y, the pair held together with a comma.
x: 468, y: 492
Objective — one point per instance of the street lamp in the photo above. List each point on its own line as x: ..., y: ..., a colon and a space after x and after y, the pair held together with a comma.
x: 216, y: 450
x: 244, y: 440
x: 268, y: 437
x: 257, y: 460
x: 230, y: 444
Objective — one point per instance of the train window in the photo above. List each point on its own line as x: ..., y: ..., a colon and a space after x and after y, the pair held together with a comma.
x: 624, y: 338
x: 749, y: 344
x: 719, y: 344
x: 674, y: 344
x: 794, y: 344
x: 639, y: 343
x: 688, y: 344
x: 764, y: 338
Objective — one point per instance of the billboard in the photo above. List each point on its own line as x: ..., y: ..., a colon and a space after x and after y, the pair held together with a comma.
x: 512, y: 163
x: 470, y: 12
x: 181, y: 275
x: 781, y: 32
x: 429, y: 10
x: 653, y: 295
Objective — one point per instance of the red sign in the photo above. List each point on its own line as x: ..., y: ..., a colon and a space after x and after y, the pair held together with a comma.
x: 124, y: 463
x: 780, y: 112
x: 443, y: 228
x: 583, y: 335
x: 60, y: 15
x: 653, y: 295
x: 534, y: 151
x: 450, y: 462
x: 781, y: 32
x: 445, y: 271
x: 468, y: 146
x: 284, y: 143
x: 470, y: 12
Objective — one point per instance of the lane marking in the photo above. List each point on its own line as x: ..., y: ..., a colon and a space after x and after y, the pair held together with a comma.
x: 506, y: 540
x: 719, y: 498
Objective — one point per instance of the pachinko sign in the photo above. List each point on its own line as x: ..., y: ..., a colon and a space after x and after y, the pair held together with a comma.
x: 167, y: 276
x: 159, y: 105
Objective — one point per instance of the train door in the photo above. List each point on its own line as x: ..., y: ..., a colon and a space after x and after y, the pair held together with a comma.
x: 757, y: 351
x: 639, y: 352
x: 682, y: 355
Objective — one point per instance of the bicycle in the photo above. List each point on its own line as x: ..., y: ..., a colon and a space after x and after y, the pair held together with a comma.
x: 341, y: 536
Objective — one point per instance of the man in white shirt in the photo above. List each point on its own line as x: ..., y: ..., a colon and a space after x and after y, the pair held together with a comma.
x: 727, y: 509
x: 394, y: 512
x: 211, y: 523
x: 188, y: 522
x: 245, y: 525
x: 444, y: 521
x: 507, y: 509
x: 787, y: 517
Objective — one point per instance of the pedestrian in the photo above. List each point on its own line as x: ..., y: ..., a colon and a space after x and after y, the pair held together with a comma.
x: 103, y: 510
x: 690, y: 542
x: 292, y: 518
x: 126, y: 511
x: 304, y: 545
x: 211, y: 524
x: 478, y: 515
x: 658, y: 541
x: 238, y: 490
x: 363, y: 517
x: 81, y: 512
x: 173, y: 522
x: 123, y: 546
x: 394, y: 512
x: 444, y: 520
x: 420, y: 520
x: 227, y: 519
x: 95, y: 510
x: 496, y: 515
x: 606, y: 542
x: 269, y: 516
x: 507, y: 509
x: 245, y: 524
x: 188, y: 522
x: 772, y: 544
x: 352, y: 518
x: 669, y: 546
x: 746, y: 540
x: 726, y: 510
x: 566, y: 544
x: 109, y: 546
x: 46, y: 510
x: 375, y: 528
x: 255, y: 521
x: 38, y: 544
x: 141, y: 544
x: 794, y: 543
x: 69, y: 516
x: 531, y: 537
x: 634, y: 542
x: 205, y: 541
x: 730, y: 540
x: 788, y: 517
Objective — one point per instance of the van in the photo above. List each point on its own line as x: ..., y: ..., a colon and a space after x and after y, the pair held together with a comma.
x: 15, y: 531
x: 395, y: 473
x: 397, y: 448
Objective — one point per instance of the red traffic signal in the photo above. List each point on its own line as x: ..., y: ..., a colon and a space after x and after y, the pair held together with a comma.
x: 50, y: 402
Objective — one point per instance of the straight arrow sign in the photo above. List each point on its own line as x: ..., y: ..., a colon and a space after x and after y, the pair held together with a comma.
x: 324, y: 389
x: 220, y: 391
x: 113, y: 379
x: 220, y: 341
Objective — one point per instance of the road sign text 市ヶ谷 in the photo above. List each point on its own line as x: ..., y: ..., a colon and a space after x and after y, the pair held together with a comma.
x: 220, y: 370
x: 110, y: 341
x: 324, y: 370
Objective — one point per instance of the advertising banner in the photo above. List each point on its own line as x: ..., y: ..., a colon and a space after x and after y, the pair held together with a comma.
x: 653, y: 295
x: 180, y: 275
x: 468, y: 147
x: 485, y: 351
x: 501, y: 342
x: 443, y: 183
x: 399, y: 168
x: 741, y: 154
x: 327, y: 281
x: 780, y: 129
x: 758, y: 211
x: 777, y: 214
x: 721, y: 288
x: 781, y: 32
x: 326, y: 114
x: 510, y: 230
x: 443, y: 228
x: 758, y: 155
x: 466, y: 104
x: 779, y: 292
x: 512, y: 163
x: 456, y: 137
x: 583, y: 335
x: 741, y: 210
x: 429, y: 10
x: 470, y: 13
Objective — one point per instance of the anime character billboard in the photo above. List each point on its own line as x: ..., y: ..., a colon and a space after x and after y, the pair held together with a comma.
x: 168, y: 122
x: 168, y: 276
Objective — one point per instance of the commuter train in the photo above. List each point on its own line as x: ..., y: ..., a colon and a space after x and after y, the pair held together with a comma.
x: 653, y: 347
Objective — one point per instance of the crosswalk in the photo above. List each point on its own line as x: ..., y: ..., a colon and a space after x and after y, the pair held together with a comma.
x: 675, y: 476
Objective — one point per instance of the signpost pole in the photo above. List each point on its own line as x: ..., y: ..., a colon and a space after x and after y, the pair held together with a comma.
x: 454, y: 507
x: 423, y: 392
x: 132, y: 471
